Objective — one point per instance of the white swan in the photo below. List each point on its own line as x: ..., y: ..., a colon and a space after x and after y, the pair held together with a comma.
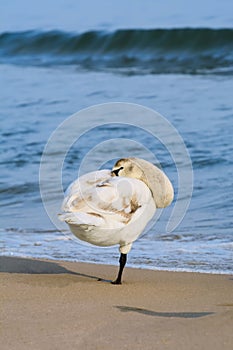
x: 106, y: 207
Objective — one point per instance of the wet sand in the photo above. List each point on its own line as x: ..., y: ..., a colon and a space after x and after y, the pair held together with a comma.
x: 62, y: 305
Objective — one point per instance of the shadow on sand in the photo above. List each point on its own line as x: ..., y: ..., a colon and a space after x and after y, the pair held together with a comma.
x: 164, y: 314
x: 30, y: 266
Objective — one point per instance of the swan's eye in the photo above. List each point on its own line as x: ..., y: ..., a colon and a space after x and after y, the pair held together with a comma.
x: 116, y: 171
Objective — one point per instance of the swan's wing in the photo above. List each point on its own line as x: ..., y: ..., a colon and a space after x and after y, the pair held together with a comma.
x: 75, y: 194
x: 102, y: 200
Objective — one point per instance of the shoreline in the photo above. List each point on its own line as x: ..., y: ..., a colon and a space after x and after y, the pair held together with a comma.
x: 130, y: 266
x: 52, y: 304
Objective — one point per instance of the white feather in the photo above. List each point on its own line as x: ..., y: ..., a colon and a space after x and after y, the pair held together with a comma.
x: 106, y: 210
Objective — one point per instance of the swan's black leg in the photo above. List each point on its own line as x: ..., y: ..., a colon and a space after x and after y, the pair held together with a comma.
x: 122, y: 261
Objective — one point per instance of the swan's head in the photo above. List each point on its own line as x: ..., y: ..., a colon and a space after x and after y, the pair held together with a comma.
x: 152, y: 176
x: 127, y: 167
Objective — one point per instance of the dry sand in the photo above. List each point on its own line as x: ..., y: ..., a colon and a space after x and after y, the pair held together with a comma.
x: 60, y: 305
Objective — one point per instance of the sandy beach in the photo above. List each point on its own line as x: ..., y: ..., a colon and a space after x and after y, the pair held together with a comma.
x: 62, y: 305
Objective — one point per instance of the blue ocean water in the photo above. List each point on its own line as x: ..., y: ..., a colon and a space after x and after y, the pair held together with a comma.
x: 60, y: 58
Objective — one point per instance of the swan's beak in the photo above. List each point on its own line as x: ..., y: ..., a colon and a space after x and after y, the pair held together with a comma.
x: 115, y: 172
